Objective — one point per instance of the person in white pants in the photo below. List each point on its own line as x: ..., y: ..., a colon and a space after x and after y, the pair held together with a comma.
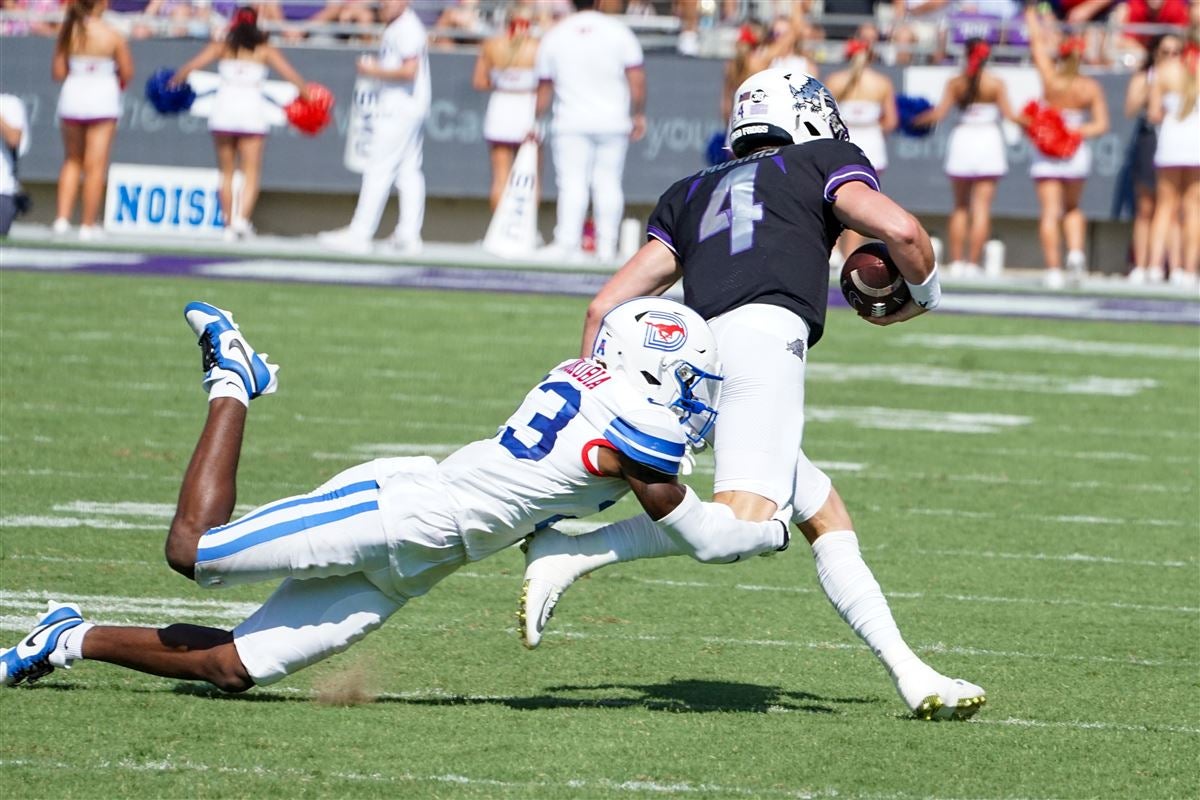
x: 402, y: 72
x: 591, y: 66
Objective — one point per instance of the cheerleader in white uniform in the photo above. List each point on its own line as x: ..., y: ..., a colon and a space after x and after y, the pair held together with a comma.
x: 92, y: 60
x: 975, y: 154
x: 1175, y: 107
x: 238, y: 120
x: 1060, y: 181
x: 867, y: 101
x: 505, y: 67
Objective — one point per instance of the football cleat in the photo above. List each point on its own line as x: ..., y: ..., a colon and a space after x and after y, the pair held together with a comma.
x: 933, y: 696
x: 43, y: 649
x: 551, y: 566
x: 225, y: 351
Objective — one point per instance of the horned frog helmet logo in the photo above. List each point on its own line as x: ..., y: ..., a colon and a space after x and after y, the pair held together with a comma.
x: 812, y: 97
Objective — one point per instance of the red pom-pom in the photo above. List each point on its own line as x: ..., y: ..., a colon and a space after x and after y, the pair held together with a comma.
x: 1049, y: 132
x: 312, y: 115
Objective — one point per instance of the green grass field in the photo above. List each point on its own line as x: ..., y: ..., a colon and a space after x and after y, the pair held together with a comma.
x: 1026, y: 492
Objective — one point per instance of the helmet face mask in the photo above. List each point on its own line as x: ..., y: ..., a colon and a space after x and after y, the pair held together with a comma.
x: 667, y: 352
x: 782, y: 107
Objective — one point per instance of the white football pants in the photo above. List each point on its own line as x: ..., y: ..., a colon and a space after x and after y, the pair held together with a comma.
x: 589, y: 162
x: 396, y: 158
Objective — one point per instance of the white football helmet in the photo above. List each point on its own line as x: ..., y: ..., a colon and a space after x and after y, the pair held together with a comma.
x: 781, y: 106
x: 667, y: 351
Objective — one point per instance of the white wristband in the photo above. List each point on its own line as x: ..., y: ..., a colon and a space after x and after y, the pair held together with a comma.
x: 928, y: 293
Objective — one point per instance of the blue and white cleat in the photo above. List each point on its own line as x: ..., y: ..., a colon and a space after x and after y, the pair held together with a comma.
x: 225, y: 350
x: 43, y: 649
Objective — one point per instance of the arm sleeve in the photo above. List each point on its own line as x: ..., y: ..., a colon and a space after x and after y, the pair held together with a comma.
x: 710, y: 533
x: 650, y: 436
x: 842, y: 163
x: 631, y: 52
x: 661, y: 225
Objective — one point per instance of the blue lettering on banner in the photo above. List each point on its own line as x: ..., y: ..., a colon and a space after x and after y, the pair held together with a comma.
x: 127, y: 202
x: 156, y: 205
x: 175, y: 206
x: 196, y: 205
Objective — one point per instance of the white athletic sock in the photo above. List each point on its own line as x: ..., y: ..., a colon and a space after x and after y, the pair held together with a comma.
x: 627, y: 540
x: 223, y: 383
x: 73, y: 641
x: 854, y: 592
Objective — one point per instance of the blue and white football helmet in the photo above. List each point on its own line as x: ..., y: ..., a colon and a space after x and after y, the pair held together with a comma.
x: 667, y: 351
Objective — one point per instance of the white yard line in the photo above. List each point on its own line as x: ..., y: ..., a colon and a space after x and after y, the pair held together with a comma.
x: 1044, y: 344
x: 984, y: 380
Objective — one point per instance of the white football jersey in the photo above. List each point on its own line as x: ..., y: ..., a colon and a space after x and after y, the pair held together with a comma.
x: 542, y: 465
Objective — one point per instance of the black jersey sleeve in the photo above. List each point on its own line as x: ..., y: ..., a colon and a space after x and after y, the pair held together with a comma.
x: 662, y: 224
x: 841, y: 163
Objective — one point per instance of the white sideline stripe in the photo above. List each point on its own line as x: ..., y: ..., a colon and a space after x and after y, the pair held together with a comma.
x: 1070, y: 519
x: 1080, y: 558
x: 640, y: 786
x: 1044, y: 344
x: 944, y: 377
x: 36, y: 258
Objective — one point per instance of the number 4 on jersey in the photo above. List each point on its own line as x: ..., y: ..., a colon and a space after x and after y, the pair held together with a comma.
x: 741, y: 214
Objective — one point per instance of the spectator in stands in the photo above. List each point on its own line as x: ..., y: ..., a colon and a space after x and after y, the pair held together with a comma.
x: 398, y: 139
x: 1175, y: 108
x: 14, y: 143
x: 93, y: 63
x: 1140, y: 156
x: 867, y: 100
x: 174, y: 18
x: 461, y: 22
x: 919, y: 27
x: 975, y: 154
x: 505, y: 67
x: 34, y: 8
x: 1080, y: 101
x: 590, y: 64
x: 238, y: 120
x: 1151, y: 12
x: 298, y: 18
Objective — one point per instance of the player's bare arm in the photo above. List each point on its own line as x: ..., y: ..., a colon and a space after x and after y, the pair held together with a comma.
x: 651, y: 271
x: 871, y: 213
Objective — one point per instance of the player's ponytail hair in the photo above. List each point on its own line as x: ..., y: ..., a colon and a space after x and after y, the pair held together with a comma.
x: 244, y: 33
x: 72, y: 29
x: 977, y: 55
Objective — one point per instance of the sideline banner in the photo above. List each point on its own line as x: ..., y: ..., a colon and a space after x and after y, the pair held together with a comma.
x: 166, y: 201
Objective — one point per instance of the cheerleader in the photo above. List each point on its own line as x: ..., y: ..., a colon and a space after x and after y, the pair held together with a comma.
x: 1140, y: 158
x: 93, y: 63
x: 975, y: 154
x: 1080, y: 101
x: 505, y: 68
x: 1174, y: 108
x: 238, y: 120
x: 867, y: 101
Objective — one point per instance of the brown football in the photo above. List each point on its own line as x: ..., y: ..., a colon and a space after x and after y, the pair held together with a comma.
x: 871, y: 283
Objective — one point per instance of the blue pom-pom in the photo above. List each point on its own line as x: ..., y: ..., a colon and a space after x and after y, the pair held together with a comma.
x: 168, y: 99
x: 716, y: 152
x: 908, y: 107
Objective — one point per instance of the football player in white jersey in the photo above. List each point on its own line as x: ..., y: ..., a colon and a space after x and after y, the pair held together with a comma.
x: 355, y: 550
x: 398, y: 137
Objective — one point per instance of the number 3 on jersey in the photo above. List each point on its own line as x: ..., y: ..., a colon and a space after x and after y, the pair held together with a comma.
x: 741, y: 214
x: 545, y: 428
